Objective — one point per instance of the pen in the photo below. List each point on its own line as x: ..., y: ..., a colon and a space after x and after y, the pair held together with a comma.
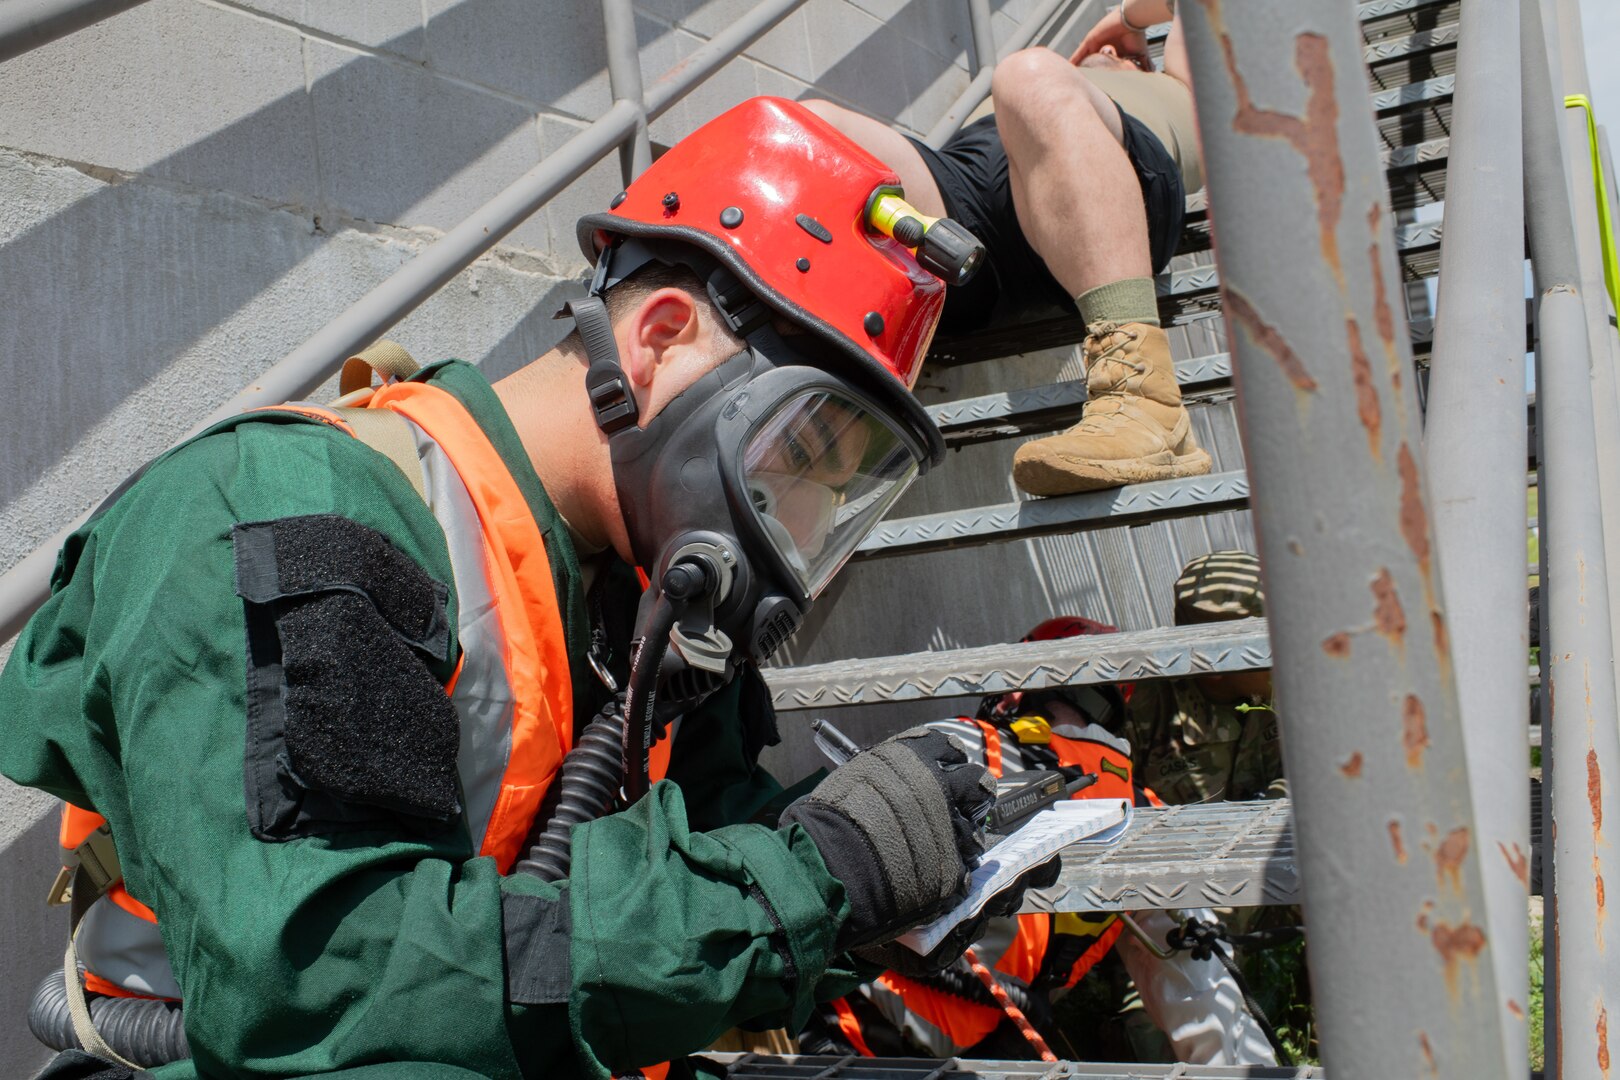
x: 838, y: 747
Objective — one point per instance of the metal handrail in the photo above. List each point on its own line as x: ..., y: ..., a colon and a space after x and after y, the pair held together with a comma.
x: 28, y: 24
x: 25, y: 586
x: 979, y: 88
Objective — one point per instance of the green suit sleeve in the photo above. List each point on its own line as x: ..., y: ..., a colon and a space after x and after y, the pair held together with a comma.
x: 681, y: 935
x: 324, y: 953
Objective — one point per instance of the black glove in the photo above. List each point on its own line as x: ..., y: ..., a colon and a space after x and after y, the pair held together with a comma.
x: 896, y: 957
x: 899, y: 826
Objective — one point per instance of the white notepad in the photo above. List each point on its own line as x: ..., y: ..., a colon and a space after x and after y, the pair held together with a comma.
x: 1074, y: 821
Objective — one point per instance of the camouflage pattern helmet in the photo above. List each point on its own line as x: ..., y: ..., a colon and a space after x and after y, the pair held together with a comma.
x: 1220, y: 585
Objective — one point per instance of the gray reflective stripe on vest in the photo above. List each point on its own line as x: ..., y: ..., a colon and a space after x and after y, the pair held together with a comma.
x: 997, y: 940
x: 126, y: 950
x: 972, y: 736
x: 482, y: 695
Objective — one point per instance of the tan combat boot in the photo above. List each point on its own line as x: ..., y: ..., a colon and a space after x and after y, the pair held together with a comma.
x: 1134, y: 427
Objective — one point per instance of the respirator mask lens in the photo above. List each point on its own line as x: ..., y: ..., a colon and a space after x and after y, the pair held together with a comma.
x: 820, y: 472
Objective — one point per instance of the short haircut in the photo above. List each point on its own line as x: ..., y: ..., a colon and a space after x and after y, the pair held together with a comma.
x: 629, y: 293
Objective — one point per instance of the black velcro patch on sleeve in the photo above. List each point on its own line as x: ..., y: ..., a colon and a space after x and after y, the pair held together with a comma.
x: 536, y: 933
x: 348, y: 728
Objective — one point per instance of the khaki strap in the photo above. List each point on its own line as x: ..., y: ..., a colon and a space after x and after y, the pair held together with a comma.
x: 84, y: 894
x: 387, y: 358
x: 388, y: 433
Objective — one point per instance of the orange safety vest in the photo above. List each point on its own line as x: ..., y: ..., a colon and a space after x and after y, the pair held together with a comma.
x: 511, y: 686
x: 964, y: 1023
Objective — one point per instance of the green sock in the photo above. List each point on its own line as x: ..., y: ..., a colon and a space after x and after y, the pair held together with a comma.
x: 1132, y: 300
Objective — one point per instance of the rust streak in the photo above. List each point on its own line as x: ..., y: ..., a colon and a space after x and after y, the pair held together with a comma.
x: 1314, y: 136
x: 1517, y: 861
x: 1337, y: 645
x: 1448, y: 858
x: 1400, y: 847
x: 1414, y: 731
x: 1366, y: 393
x: 1442, y: 640
x: 1603, y: 1039
x: 1268, y: 338
x: 1594, y: 793
x: 1428, y: 1051
x: 1352, y: 768
x: 1388, y: 615
x: 1515, y: 1009
x: 1414, y: 521
x: 1465, y: 942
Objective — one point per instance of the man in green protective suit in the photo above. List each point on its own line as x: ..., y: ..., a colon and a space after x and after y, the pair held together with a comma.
x: 320, y: 689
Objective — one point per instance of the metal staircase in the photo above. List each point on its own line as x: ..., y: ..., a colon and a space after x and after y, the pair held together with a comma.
x: 1320, y: 183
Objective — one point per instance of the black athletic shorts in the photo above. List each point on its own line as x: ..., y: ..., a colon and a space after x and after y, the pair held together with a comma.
x: 971, y: 172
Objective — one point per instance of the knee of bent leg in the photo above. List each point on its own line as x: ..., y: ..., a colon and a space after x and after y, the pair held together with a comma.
x: 1030, y: 80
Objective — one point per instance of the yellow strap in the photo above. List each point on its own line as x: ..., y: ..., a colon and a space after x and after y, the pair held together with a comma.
x: 1611, y: 260
x: 388, y: 433
x: 387, y: 358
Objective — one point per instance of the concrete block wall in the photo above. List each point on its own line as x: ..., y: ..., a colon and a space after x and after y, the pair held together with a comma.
x: 192, y: 188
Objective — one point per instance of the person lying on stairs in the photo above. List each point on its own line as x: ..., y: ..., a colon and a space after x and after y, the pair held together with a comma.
x: 1077, y: 186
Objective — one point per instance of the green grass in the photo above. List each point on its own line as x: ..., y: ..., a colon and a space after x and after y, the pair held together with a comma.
x: 1538, y: 1011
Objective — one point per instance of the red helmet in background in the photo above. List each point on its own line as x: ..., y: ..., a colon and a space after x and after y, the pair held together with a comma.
x: 780, y: 198
x: 1102, y: 705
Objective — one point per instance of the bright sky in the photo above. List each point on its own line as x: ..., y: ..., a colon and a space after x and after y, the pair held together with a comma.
x: 1600, y: 23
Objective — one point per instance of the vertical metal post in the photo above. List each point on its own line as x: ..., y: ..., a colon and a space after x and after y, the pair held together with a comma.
x: 1476, y: 441
x: 1580, y: 739
x: 984, y: 35
x: 1566, y: 55
x: 624, y: 78
x: 1403, y: 971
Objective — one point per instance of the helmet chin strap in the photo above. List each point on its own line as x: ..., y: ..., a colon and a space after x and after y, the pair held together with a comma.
x: 611, y: 401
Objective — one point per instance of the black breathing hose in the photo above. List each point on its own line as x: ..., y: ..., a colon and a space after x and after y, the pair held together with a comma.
x: 612, y: 750
x: 146, y: 1031
x: 587, y: 786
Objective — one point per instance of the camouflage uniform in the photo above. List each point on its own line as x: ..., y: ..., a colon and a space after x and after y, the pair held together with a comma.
x: 1189, y: 749
x: 1184, y: 746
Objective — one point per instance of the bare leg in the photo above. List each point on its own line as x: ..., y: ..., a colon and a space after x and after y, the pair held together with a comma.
x: 1077, y: 196
x: 890, y: 147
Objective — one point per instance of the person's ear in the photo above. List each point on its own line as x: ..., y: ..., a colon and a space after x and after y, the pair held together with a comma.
x: 661, y: 326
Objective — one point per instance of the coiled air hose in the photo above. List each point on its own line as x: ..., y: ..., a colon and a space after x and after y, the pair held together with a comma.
x: 146, y: 1031
x: 611, y: 751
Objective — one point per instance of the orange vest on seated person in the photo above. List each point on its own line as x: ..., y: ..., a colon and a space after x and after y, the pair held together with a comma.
x: 1049, y: 951
x: 511, y: 686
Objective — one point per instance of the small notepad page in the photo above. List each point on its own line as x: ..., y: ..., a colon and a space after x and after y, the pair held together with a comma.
x: 1097, y: 822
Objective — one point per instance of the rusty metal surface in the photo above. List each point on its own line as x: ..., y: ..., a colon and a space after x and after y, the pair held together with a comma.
x: 1581, y: 742
x: 1322, y: 362
x: 1477, y: 440
x: 1221, y: 854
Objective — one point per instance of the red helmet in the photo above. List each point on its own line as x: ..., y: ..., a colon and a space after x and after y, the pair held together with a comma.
x: 1063, y: 626
x: 780, y: 198
x: 1097, y: 704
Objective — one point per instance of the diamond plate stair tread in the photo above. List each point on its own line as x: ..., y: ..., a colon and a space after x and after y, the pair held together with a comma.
x: 1061, y: 513
x: 856, y: 1067
x: 1045, y: 408
x: 1227, y: 854
x: 1164, y: 652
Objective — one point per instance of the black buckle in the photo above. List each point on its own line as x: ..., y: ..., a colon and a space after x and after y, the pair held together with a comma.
x: 610, y: 398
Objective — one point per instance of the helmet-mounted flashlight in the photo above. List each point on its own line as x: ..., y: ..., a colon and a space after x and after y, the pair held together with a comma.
x: 944, y: 248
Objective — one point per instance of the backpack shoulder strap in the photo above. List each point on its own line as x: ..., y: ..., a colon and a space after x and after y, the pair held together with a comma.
x: 387, y: 358
x: 388, y: 433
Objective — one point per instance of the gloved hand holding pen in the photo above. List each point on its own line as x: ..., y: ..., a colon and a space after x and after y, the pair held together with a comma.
x: 900, y: 826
